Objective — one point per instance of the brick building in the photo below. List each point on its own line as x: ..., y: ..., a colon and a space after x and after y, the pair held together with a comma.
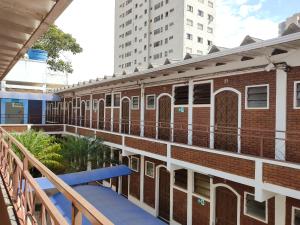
x: 212, y: 140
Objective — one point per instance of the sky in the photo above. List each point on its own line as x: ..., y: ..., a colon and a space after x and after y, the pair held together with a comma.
x: 91, y: 22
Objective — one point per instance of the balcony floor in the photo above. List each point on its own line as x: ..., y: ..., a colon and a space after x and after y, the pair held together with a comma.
x: 115, y: 207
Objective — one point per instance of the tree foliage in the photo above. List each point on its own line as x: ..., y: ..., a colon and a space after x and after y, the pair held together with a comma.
x: 79, y: 152
x: 56, y: 42
x: 44, y: 147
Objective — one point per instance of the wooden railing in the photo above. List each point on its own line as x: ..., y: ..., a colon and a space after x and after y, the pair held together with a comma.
x: 31, y: 203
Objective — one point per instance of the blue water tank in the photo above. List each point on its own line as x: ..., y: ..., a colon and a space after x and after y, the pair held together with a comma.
x: 37, y: 54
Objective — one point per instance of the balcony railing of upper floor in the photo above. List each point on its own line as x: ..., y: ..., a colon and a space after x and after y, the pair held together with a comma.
x: 32, y: 205
x: 266, y: 143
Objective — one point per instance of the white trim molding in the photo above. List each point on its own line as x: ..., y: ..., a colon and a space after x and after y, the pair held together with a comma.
x: 131, y: 105
x: 147, y: 107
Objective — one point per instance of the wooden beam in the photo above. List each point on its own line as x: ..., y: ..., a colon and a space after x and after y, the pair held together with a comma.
x: 8, y: 48
x: 6, y: 24
x: 12, y: 39
x: 21, y: 9
x: 6, y: 54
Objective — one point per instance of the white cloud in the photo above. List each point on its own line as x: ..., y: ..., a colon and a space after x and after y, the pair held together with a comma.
x: 233, y: 26
x: 92, y: 24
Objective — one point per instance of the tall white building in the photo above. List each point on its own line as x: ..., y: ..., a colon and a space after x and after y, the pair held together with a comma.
x: 293, y: 19
x: 150, y: 31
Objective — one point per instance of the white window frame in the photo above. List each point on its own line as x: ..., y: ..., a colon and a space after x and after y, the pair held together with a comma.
x: 95, y: 104
x: 199, y: 195
x: 251, y: 216
x: 268, y: 97
x: 138, y: 97
x: 293, y: 214
x: 173, y: 95
x: 147, y: 107
x: 295, y: 95
x: 113, y: 96
x: 138, y: 164
x: 148, y: 175
x: 111, y: 102
x: 87, y: 105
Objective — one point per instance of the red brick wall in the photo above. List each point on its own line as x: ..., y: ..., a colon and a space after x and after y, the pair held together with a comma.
x: 116, y: 119
x: 290, y: 203
x: 241, y: 167
x: 117, y: 139
x: 293, y: 119
x: 180, y: 125
x: 200, y: 213
x: 179, y: 206
x: 201, y: 123
x: 107, y: 118
x: 149, y: 183
x: 257, y: 119
x: 283, y: 176
x: 148, y: 146
x: 134, y: 187
x: 95, y: 112
x: 246, y: 220
x: 85, y: 132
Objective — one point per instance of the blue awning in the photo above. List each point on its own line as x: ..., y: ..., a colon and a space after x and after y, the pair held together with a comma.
x: 74, y: 179
x: 29, y: 96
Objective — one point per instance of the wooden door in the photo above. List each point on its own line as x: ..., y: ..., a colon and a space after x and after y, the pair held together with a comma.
x: 226, y: 207
x: 164, y: 194
x: 164, y: 118
x: 125, y: 116
x: 125, y: 180
x: 101, y: 114
x: 226, y: 121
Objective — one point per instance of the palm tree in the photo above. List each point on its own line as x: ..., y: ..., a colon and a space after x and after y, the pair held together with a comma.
x: 43, y: 147
x: 82, y: 153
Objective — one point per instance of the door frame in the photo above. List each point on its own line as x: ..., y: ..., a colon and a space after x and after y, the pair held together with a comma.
x: 157, y: 115
x: 157, y: 175
x: 98, y: 104
x: 80, y: 122
x: 214, y: 207
x: 212, y: 116
x: 128, y: 179
x: 121, y: 114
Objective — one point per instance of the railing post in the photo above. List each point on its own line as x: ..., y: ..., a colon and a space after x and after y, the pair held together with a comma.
x: 76, y: 216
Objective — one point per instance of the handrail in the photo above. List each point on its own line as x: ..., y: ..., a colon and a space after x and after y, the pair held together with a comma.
x: 79, y: 204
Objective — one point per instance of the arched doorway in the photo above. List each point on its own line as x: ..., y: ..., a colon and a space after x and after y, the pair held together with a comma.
x: 70, y: 113
x: 227, y: 120
x: 227, y: 207
x: 125, y: 161
x: 164, y: 117
x: 125, y: 116
x: 101, y: 114
x: 163, y: 193
x: 82, y: 114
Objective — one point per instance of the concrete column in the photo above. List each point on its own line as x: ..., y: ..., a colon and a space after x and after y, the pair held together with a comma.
x: 112, y: 113
x: 171, y: 193
x: 190, y: 198
x: 280, y: 210
x: 44, y: 109
x: 190, y: 113
x: 281, y: 112
x: 142, y: 111
x: 142, y: 172
x: 91, y: 110
x: 3, y: 85
x: 64, y: 111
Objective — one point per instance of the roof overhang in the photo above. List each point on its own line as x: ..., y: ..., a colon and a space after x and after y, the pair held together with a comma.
x: 258, y: 49
x: 22, y: 22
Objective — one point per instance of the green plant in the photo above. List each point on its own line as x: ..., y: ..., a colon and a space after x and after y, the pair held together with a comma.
x: 43, y: 147
x: 56, y: 43
x: 82, y: 153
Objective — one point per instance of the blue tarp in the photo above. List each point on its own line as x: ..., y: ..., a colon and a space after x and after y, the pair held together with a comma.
x: 116, y: 208
x: 85, y: 177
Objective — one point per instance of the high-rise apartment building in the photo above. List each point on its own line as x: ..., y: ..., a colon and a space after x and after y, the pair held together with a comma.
x: 290, y: 20
x: 150, y: 31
